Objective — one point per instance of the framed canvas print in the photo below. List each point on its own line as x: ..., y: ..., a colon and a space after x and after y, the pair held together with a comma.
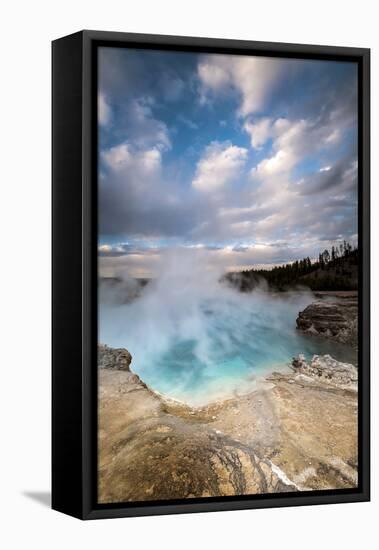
x: 210, y: 275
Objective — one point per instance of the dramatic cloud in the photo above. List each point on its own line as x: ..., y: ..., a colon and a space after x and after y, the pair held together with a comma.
x: 253, y: 77
x: 220, y: 165
x: 340, y: 179
x: 104, y: 110
x: 143, y: 128
x: 129, y: 84
x: 262, y: 170
x: 123, y: 158
x: 259, y: 131
x: 133, y: 197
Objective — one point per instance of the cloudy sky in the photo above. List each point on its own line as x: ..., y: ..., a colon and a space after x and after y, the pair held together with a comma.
x: 251, y: 159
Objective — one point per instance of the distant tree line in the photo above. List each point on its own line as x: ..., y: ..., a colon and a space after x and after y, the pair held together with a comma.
x: 335, y: 269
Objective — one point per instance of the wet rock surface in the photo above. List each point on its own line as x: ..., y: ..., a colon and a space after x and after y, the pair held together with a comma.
x: 296, y: 431
x: 332, y: 319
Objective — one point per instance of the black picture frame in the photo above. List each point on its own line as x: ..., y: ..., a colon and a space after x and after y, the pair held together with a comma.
x: 74, y: 274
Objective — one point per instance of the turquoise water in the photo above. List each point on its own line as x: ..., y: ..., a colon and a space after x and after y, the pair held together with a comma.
x: 197, y: 343
x: 181, y: 373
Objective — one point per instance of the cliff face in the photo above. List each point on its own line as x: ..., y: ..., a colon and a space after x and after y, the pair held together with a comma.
x: 295, y: 432
x: 337, y: 320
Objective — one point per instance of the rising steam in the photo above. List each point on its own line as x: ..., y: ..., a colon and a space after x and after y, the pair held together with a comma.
x: 193, y: 337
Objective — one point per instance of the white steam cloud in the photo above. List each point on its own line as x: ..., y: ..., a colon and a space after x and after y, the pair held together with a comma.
x: 193, y: 337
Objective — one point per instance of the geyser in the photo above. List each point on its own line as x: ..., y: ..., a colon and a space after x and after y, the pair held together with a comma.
x: 195, y: 339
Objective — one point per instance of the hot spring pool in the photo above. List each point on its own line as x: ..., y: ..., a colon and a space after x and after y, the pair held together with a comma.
x: 197, y: 344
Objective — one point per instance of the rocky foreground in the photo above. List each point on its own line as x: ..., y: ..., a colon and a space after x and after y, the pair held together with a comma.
x: 297, y: 431
x: 337, y: 319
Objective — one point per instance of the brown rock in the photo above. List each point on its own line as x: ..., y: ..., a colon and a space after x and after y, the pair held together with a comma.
x: 337, y: 320
x: 152, y: 449
x: 297, y: 431
x: 110, y: 358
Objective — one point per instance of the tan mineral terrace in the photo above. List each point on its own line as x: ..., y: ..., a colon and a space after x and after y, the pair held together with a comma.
x: 296, y: 431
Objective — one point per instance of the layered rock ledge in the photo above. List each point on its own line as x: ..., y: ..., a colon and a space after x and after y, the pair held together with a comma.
x: 296, y: 431
x: 327, y: 370
x: 336, y: 319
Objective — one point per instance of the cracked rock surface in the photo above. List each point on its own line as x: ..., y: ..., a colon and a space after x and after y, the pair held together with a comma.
x: 296, y: 431
x: 337, y: 320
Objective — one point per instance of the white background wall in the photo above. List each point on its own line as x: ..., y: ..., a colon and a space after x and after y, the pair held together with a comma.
x: 26, y: 31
